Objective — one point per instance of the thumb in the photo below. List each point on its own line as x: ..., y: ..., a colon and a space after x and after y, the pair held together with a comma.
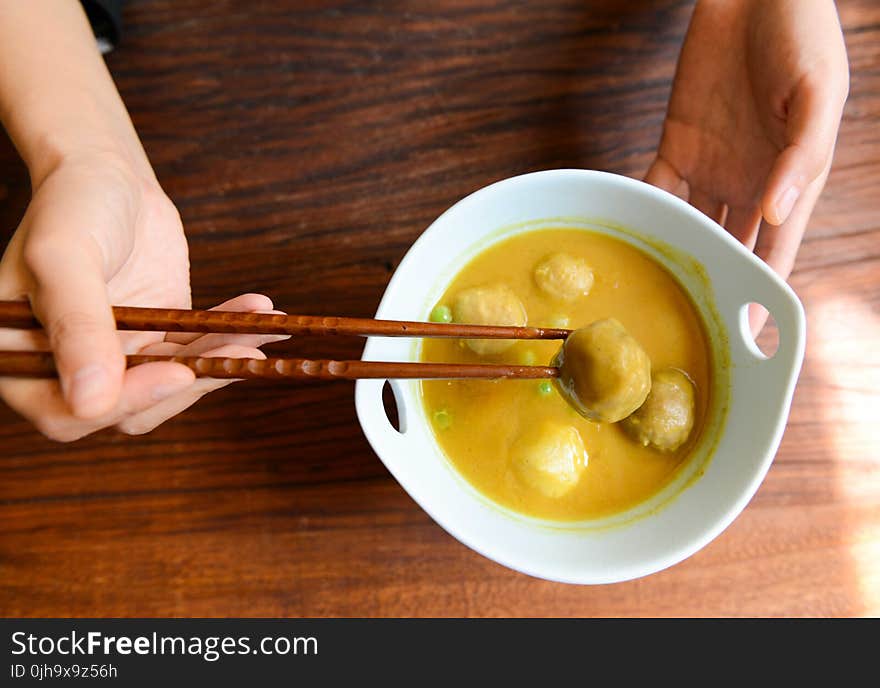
x: 69, y: 297
x: 811, y: 132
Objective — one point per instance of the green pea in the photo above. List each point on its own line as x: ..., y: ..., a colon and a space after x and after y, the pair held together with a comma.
x: 441, y: 314
x: 545, y: 388
x: 560, y: 321
x: 442, y: 419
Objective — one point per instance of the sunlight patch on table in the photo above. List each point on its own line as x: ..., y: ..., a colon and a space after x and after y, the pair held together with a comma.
x: 847, y: 348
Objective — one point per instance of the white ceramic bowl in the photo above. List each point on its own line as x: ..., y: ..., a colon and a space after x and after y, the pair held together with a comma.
x: 722, y: 278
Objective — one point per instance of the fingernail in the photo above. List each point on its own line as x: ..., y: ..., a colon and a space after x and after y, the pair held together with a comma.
x: 786, y: 203
x: 87, y: 385
x: 160, y: 392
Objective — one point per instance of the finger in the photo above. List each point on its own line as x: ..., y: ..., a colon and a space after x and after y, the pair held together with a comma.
x: 141, y: 423
x: 23, y: 340
x: 246, y: 303
x: 161, y: 349
x: 14, y: 282
x: 43, y: 403
x: 811, y: 133
x: 148, y: 384
x: 743, y: 224
x: 14, y: 279
x: 757, y: 318
x: 70, y: 299
x: 664, y: 176
x: 210, y: 342
x: 706, y: 204
x: 778, y: 245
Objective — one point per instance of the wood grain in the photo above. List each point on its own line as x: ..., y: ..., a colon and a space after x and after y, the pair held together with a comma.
x: 307, y: 144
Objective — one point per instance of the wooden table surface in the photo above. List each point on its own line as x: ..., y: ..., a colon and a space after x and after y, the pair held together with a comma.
x: 307, y: 144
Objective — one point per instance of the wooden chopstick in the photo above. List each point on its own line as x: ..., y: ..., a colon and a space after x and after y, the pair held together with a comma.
x: 41, y: 364
x: 18, y: 314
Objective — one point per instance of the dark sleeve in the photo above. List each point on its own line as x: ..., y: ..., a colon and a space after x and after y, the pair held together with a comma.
x: 106, y: 19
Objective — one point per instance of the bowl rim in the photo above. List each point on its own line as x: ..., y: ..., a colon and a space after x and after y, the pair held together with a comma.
x: 709, y: 533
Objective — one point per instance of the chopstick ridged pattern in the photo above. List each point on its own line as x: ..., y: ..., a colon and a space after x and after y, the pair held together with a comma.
x: 41, y: 364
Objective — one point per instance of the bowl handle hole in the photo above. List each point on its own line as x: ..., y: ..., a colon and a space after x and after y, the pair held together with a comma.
x: 389, y: 403
x: 766, y: 343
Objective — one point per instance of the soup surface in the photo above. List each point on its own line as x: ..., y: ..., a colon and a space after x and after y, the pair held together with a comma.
x: 492, y: 430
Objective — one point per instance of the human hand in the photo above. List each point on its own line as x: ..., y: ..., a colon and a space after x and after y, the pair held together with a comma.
x: 753, y: 119
x: 96, y: 235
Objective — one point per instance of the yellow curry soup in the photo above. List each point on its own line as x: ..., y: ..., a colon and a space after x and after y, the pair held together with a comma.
x: 494, y: 431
